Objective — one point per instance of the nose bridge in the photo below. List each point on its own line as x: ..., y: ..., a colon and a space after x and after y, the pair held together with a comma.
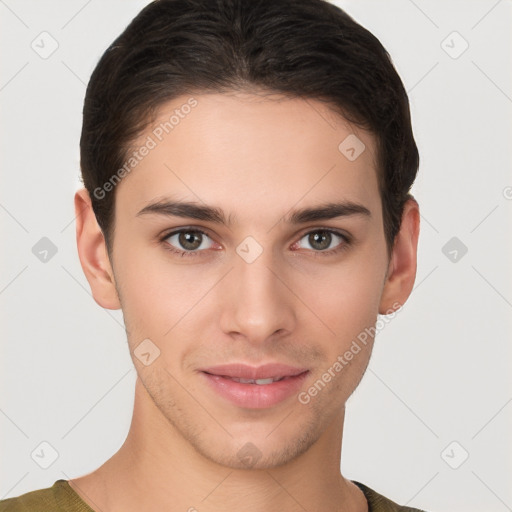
x: 256, y: 304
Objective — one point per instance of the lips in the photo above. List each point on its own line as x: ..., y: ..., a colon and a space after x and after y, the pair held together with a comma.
x: 257, y: 393
x: 244, y: 373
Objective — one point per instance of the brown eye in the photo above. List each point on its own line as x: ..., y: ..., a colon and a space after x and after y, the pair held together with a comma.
x: 320, y: 240
x: 187, y: 240
x: 190, y: 240
x: 324, y: 241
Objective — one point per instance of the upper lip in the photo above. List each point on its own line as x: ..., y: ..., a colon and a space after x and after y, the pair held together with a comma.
x: 244, y: 371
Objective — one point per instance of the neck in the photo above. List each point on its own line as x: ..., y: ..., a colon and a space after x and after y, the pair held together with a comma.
x: 158, y: 469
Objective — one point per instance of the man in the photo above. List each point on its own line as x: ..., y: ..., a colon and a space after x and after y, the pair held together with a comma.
x: 247, y: 167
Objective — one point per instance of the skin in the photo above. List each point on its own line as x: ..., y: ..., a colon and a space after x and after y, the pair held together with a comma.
x: 257, y: 157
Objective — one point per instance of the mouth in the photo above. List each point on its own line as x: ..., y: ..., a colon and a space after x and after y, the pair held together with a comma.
x: 259, y: 393
x: 259, y: 382
x: 248, y: 373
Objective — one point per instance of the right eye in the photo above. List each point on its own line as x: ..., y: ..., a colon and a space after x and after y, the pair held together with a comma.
x: 185, y: 241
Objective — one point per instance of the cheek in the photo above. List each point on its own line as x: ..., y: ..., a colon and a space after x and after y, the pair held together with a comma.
x: 348, y: 309
x: 164, y: 300
x: 345, y: 297
x: 150, y: 290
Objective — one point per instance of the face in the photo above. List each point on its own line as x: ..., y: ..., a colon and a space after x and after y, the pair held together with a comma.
x: 257, y: 288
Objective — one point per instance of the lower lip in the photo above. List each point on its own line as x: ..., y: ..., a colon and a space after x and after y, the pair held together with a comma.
x: 255, y: 396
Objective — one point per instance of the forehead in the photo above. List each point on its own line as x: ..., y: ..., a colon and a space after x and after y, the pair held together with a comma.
x: 251, y: 153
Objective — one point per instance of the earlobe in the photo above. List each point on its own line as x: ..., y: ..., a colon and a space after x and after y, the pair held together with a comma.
x: 402, y: 266
x: 93, y: 254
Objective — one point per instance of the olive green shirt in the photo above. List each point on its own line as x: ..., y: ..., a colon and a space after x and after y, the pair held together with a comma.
x: 62, y: 498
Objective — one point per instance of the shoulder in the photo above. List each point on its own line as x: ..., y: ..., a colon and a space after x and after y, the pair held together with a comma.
x: 57, y: 498
x: 379, y: 503
x: 33, y: 500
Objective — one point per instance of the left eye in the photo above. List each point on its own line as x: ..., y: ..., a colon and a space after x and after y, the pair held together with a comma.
x: 321, y: 239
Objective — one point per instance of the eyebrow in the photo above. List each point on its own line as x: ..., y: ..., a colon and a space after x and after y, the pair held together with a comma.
x: 325, y: 211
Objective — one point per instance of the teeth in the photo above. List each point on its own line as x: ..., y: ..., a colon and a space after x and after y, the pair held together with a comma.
x: 264, y: 381
x: 260, y: 382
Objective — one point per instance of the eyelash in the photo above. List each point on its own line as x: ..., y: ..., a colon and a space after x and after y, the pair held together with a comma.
x: 342, y: 247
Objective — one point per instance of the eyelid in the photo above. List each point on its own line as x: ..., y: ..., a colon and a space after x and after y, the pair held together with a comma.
x: 313, y: 229
x: 175, y: 231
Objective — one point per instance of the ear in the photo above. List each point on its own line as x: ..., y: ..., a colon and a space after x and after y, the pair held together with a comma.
x: 92, y: 251
x: 402, y: 264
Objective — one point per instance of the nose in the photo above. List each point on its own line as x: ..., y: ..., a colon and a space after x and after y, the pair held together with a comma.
x: 256, y: 301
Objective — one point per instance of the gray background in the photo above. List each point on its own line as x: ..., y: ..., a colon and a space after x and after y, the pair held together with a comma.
x: 438, y: 386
